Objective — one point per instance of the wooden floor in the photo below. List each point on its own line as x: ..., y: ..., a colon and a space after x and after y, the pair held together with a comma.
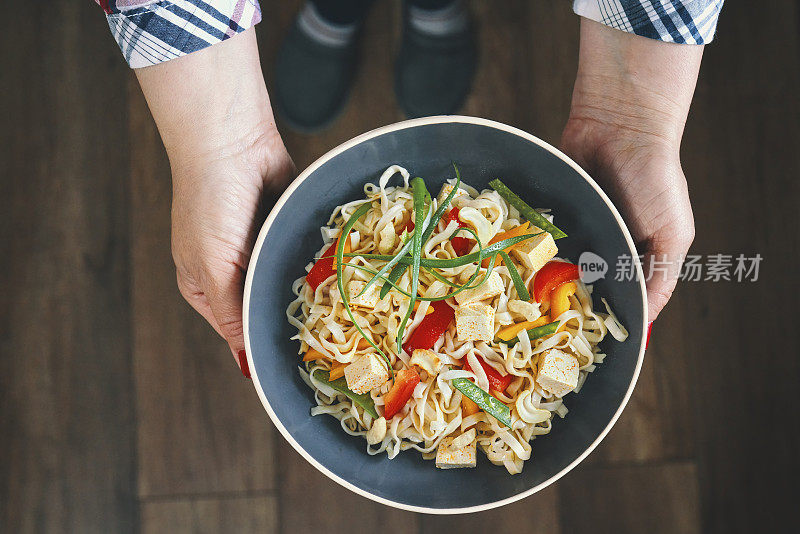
x: 121, y: 411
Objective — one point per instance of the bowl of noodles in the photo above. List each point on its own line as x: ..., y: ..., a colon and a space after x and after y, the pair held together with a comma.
x: 435, y: 316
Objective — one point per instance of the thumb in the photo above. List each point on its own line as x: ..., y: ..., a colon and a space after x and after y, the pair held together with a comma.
x: 661, y: 264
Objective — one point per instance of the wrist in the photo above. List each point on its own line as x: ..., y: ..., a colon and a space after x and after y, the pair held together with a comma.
x: 212, y: 105
x: 634, y: 85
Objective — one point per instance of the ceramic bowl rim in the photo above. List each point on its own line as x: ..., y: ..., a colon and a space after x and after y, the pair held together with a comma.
x: 412, y: 123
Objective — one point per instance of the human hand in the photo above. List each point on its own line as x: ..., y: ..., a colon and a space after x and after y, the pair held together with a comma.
x: 629, y: 106
x: 228, y: 162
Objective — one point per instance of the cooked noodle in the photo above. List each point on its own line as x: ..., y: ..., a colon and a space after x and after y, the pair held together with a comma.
x: 434, y: 410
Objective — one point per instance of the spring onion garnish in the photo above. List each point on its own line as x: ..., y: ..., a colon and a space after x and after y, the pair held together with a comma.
x: 364, y: 208
x: 484, y: 400
x: 436, y: 263
x: 459, y: 288
x: 418, y: 191
x: 398, y: 271
x: 392, y: 262
x: 525, y: 210
x: 519, y: 285
x: 534, y: 333
x: 340, y: 385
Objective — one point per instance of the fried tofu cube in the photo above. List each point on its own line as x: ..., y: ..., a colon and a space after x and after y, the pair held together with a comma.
x: 446, y: 188
x: 475, y: 322
x: 366, y: 373
x: 369, y: 299
x: 558, y: 372
x: 536, y: 251
x: 449, y: 457
x: 426, y: 359
x: 488, y: 290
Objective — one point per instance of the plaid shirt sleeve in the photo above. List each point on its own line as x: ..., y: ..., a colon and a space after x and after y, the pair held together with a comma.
x: 674, y: 21
x: 152, y: 31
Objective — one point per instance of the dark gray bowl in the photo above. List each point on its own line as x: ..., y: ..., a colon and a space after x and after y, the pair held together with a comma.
x: 483, y: 150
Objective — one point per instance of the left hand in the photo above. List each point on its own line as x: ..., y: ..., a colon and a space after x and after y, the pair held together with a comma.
x: 629, y: 107
x: 644, y: 178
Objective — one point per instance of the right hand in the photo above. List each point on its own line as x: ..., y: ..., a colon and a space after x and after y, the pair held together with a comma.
x: 228, y: 161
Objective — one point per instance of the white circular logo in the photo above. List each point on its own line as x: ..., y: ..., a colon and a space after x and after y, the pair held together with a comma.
x: 592, y: 267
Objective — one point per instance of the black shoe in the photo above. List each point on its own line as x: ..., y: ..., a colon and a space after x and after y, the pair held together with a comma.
x: 433, y: 74
x: 312, y: 80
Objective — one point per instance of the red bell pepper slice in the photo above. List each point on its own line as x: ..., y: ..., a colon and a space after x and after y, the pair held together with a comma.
x: 404, y: 383
x: 323, y: 268
x: 409, y: 227
x: 431, y: 328
x: 497, y: 381
x: 461, y: 245
x: 553, y: 274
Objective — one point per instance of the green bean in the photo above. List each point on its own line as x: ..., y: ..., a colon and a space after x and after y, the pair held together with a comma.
x: 484, y: 400
x: 533, y: 333
x: 340, y: 385
x: 525, y: 210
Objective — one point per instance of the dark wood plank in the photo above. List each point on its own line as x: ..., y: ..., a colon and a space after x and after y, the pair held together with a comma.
x: 211, y: 514
x: 648, y: 498
x: 533, y: 515
x: 201, y: 427
x: 741, y: 155
x: 333, y: 509
x: 66, y: 396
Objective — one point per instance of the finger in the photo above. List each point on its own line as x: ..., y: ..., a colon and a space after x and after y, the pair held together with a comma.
x: 224, y: 290
x: 662, y: 266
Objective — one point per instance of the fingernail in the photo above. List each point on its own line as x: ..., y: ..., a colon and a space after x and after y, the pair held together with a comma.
x: 646, y: 343
x: 243, y: 364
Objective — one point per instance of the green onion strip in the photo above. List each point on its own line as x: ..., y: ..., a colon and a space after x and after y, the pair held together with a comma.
x: 398, y: 271
x: 340, y: 282
x: 419, y: 191
x: 436, y: 263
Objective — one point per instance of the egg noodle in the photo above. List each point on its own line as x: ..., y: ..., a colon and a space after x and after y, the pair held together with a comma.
x: 435, y: 409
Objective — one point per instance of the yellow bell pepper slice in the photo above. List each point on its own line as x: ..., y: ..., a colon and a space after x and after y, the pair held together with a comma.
x: 510, y: 332
x: 559, y: 299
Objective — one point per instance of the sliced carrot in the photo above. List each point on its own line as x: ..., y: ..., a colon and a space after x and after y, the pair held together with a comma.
x: 468, y: 406
x: 337, y: 370
x: 510, y: 332
x: 514, y: 232
x: 314, y: 354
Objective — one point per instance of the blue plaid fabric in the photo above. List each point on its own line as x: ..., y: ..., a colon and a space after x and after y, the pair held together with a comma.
x: 149, y: 32
x: 674, y: 21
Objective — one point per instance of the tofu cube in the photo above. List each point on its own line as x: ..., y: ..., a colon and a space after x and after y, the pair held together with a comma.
x: 488, y: 290
x: 426, y: 359
x: 369, y: 299
x: 536, y: 251
x: 366, y: 373
x: 475, y: 322
x: 558, y: 372
x: 449, y: 457
x: 446, y: 188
